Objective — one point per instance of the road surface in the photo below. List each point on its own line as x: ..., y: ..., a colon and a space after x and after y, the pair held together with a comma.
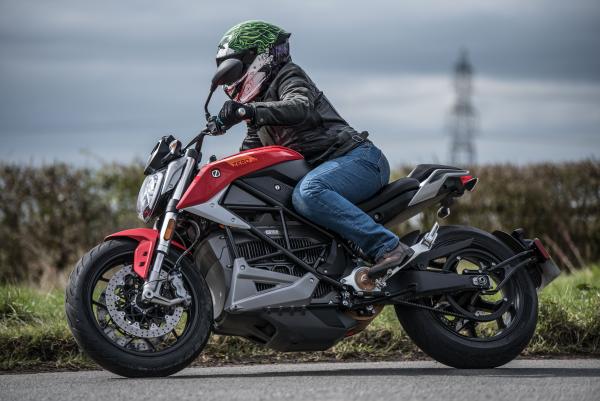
x: 378, y: 381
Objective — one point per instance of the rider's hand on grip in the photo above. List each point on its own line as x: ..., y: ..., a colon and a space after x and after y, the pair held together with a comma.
x: 233, y: 113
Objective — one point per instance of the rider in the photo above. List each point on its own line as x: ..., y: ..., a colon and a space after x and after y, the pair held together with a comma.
x: 282, y: 106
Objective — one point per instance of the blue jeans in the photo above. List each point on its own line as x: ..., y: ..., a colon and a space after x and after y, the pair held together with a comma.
x: 328, y: 196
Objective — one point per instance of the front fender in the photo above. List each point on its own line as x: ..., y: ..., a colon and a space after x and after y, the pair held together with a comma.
x: 142, y: 257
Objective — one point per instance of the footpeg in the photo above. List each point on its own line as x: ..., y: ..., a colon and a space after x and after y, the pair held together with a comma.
x: 419, y: 248
x: 379, y: 270
x: 361, y: 278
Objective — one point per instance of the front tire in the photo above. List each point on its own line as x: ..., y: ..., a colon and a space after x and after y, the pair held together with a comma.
x: 451, y: 347
x: 112, y: 348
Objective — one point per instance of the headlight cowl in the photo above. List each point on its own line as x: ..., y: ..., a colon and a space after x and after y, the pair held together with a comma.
x: 149, y: 194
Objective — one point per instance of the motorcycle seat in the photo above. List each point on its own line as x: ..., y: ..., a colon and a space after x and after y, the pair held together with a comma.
x: 389, y: 192
x: 422, y: 171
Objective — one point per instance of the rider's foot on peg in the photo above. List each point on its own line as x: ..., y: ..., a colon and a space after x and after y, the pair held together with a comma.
x: 391, y: 259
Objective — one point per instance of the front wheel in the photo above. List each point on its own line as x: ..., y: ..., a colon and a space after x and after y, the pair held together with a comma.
x: 123, y: 333
x: 466, y: 343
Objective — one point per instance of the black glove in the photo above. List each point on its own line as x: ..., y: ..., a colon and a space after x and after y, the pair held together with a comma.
x: 234, y: 112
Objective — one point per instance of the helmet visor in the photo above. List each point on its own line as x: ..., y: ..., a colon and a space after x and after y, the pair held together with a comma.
x: 249, y: 86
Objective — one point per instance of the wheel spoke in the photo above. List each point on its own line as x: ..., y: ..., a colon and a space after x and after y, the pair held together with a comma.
x: 486, y: 315
x: 459, y: 325
x: 150, y: 343
x: 486, y: 306
x: 99, y: 305
x: 129, y: 314
x: 470, y: 326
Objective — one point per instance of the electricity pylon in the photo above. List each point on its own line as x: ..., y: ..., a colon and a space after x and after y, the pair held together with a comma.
x: 463, y: 116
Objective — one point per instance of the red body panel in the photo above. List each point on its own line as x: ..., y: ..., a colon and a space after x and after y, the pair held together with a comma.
x: 213, y: 177
x: 147, y: 238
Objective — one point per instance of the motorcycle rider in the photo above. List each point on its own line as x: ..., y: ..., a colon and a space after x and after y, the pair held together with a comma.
x: 282, y: 106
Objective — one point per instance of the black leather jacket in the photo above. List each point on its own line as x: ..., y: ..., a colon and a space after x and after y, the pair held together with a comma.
x: 294, y: 113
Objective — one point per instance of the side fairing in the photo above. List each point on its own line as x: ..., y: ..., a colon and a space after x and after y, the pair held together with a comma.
x: 214, y: 177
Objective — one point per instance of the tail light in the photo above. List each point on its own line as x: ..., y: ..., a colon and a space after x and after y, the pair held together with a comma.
x: 468, y: 182
x: 541, y: 250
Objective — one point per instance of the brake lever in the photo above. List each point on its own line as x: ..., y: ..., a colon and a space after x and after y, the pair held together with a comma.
x: 215, y: 127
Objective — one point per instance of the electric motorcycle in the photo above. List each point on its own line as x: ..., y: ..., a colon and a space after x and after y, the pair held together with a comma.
x: 228, y: 254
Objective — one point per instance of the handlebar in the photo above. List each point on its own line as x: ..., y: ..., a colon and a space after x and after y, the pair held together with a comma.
x: 215, y: 127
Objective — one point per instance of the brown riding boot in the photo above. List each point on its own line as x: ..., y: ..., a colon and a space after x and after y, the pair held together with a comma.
x: 394, y: 258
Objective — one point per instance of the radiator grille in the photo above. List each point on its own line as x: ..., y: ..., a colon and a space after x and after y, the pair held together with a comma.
x: 263, y: 286
x: 280, y: 263
x: 322, y: 290
x: 253, y: 249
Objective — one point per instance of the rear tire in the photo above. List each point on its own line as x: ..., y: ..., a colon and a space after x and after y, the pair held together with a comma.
x: 93, y: 341
x: 450, y: 348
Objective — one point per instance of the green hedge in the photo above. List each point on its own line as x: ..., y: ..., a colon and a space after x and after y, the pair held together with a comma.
x: 50, y: 215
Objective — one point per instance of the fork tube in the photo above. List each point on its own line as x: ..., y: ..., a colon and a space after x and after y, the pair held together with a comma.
x: 151, y: 286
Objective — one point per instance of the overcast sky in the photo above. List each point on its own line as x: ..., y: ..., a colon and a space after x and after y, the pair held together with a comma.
x: 82, y: 81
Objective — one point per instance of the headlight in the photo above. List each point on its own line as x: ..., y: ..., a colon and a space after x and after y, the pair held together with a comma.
x: 149, y: 194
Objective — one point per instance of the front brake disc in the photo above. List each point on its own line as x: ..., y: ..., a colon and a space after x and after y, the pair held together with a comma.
x: 128, y: 323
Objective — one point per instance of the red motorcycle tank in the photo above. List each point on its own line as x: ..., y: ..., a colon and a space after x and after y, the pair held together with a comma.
x: 213, y: 177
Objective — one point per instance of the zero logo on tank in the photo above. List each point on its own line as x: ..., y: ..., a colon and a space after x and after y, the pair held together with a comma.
x: 241, y: 160
x: 215, y: 173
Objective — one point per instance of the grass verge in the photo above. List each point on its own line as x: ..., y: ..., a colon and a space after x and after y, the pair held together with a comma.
x: 34, y: 333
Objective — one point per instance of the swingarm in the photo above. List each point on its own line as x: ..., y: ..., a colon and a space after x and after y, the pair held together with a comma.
x: 413, y: 280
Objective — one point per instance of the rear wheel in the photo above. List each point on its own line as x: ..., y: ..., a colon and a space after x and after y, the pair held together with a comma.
x: 123, y: 333
x: 510, y: 314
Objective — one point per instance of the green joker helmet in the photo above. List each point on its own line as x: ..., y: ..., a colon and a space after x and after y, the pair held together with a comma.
x: 262, y: 48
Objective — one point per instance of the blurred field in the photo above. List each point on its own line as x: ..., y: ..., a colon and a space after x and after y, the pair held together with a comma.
x: 51, y: 215
x: 34, y: 335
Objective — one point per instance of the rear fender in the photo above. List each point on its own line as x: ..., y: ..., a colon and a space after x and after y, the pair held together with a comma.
x: 513, y: 243
x: 142, y: 257
x: 426, y: 257
x: 542, y: 273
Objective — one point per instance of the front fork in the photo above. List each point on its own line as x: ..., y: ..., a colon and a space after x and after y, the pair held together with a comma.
x: 153, y: 284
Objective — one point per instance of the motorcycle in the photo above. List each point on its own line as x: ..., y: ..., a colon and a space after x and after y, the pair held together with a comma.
x: 228, y: 254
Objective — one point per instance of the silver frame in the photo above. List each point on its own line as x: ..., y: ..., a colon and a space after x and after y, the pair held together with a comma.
x: 213, y: 210
x: 288, y: 291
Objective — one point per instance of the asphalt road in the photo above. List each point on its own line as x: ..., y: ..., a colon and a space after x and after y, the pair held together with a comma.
x: 382, y: 381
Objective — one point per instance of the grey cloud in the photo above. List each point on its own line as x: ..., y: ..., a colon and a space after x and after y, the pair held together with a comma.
x: 544, y: 39
x: 90, y: 74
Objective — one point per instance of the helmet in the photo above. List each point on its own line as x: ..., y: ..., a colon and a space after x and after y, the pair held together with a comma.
x: 262, y: 48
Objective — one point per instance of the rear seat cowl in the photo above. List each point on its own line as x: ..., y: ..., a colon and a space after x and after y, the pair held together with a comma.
x: 389, y: 192
x: 422, y: 171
